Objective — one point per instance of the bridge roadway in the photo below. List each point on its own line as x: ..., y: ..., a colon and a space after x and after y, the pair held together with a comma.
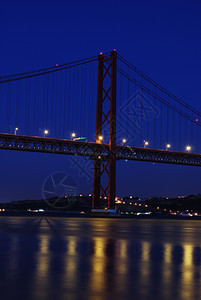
x: 94, y: 150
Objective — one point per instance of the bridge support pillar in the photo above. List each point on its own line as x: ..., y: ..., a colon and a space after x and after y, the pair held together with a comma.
x: 106, y: 118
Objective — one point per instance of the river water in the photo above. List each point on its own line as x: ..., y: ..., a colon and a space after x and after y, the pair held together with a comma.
x: 94, y: 258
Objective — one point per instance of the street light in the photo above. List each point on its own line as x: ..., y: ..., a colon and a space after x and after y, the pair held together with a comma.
x: 46, y: 132
x: 73, y: 135
x: 188, y: 148
x: 146, y: 143
x: 168, y: 146
x: 100, y: 138
x: 16, y: 129
x: 123, y: 141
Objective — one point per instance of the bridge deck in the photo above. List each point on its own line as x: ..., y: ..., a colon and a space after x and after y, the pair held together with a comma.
x: 93, y: 150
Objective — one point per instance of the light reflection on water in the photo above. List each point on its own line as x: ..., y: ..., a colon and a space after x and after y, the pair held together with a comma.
x: 53, y: 258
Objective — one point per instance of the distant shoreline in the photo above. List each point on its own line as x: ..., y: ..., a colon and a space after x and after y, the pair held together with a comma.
x: 60, y: 214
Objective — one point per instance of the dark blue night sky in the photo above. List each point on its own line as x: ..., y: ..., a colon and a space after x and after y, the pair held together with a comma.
x: 162, y: 38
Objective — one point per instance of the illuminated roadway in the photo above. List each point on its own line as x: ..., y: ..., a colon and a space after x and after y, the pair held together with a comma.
x: 94, y: 150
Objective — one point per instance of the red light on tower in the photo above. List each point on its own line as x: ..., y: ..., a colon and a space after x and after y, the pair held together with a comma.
x: 57, y: 65
x: 101, y: 53
x: 196, y: 120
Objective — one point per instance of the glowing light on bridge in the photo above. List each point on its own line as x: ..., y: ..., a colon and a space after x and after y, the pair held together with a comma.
x: 123, y: 141
x: 16, y: 129
x: 100, y: 138
x: 168, y: 146
x: 73, y: 135
x: 146, y: 143
x: 188, y: 148
x: 46, y: 132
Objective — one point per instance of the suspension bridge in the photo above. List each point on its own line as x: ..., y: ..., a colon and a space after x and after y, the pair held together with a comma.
x: 121, y: 112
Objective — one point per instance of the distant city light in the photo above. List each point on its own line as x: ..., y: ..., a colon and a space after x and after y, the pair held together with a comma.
x: 188, y: 148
